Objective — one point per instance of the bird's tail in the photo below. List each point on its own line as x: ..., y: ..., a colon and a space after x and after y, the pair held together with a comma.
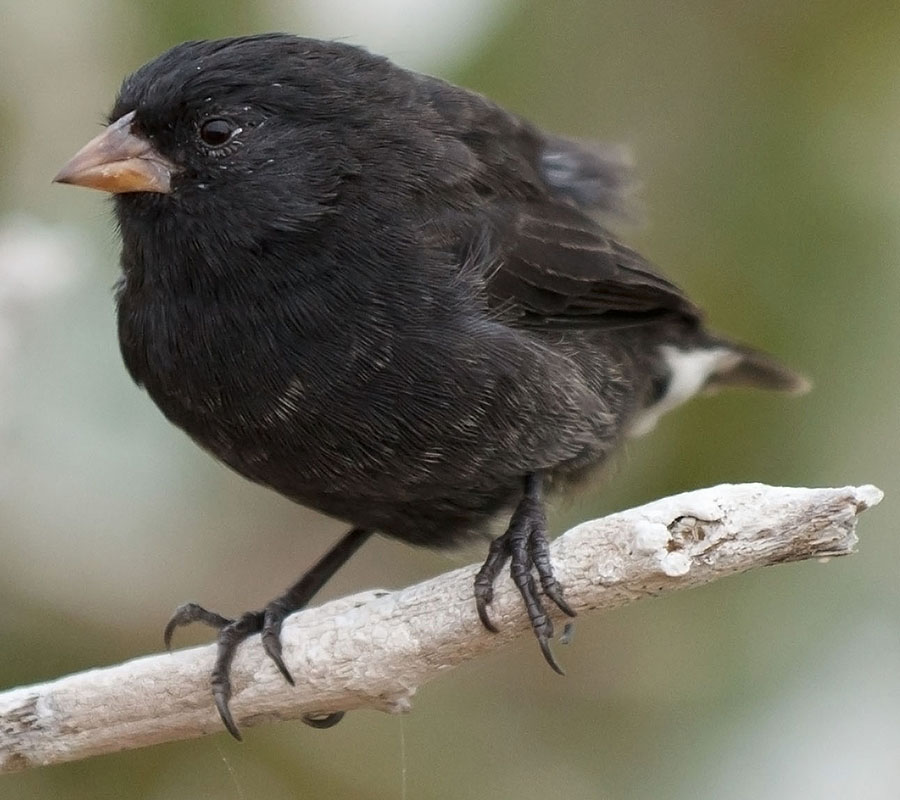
x: 710, y: 364
x: 755, y: 369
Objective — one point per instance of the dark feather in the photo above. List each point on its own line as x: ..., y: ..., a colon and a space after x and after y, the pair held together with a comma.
x: 555, y: 267
x: 593, y: 176
x: 385, y: 298
x: 382, y: 296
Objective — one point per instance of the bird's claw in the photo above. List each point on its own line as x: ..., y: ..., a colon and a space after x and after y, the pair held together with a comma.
x: 271, y: 641
x: 191, y: 612
x: 221, y: 691
x: 268, y: 623
x: 231, y: 633
x: 323, y: 721
x: 524, y: 545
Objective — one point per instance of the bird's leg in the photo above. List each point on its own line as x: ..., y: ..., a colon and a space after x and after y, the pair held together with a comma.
x: 268, y: 622
x: 524, y: 544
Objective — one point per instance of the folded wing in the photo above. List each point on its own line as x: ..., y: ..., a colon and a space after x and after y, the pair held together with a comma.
x: 550, y: 265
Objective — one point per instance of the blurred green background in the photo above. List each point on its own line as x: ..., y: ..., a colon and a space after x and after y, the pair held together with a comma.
x: 768, y: 145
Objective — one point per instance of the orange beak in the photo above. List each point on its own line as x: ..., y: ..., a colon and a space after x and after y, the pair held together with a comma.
x: 117, y: 161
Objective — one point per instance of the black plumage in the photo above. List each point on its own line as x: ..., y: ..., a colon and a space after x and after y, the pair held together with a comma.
x: 384, y: 297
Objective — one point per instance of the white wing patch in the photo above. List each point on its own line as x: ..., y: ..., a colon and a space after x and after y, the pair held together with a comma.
x: 689, y: 371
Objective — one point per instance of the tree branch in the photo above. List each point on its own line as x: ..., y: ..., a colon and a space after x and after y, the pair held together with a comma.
x: 374, y: 649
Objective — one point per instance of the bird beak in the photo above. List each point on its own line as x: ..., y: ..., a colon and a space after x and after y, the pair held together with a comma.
x: 119, y: 160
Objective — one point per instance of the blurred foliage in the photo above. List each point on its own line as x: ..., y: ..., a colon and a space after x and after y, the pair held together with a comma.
x: 765, y: 135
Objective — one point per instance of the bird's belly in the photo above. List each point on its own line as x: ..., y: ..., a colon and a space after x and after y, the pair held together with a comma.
x: 406, y: 483
x: 425, y: 440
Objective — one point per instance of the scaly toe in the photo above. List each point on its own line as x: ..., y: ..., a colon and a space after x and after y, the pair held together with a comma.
x: 323, y: 721
x: 271, y: 641
x: 191, y: 612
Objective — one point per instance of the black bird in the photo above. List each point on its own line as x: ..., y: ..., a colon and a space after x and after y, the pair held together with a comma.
x: 386, y: 298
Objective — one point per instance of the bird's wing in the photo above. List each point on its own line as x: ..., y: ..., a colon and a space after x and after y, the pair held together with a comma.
x: 549, y: 265
x: 593, y: 176
x: 513, y: 158
x: 541, y: 258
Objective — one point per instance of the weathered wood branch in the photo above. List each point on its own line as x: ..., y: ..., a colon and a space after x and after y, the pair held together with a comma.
x: 374, y: 649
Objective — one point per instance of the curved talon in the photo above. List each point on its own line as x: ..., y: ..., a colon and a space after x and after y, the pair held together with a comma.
x: 171, y: 625
x: 267, y: 622
x: 187, y: 613
x: 323, y: 721
x: 524, y: 545
x: 231, y: 633
x: 271, y: 641
x: 498, y: 555
x: 548, y: 655
x: 221, y: 697
x: 540, y: 555
x: 230, y: 637
x: 553, y: 590
x: 481, y: 604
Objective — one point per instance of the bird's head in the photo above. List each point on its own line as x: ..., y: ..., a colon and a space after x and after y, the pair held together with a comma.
x: 250, y: 134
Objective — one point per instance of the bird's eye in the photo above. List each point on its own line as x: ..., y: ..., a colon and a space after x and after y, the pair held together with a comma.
x: 216, y: 132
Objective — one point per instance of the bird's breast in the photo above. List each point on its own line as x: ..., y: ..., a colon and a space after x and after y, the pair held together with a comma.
x: 211, y: 369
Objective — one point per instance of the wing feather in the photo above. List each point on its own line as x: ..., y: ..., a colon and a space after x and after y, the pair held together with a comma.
x: 553, y: 266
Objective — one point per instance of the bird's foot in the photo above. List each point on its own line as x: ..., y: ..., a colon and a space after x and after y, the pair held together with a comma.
x: 267, y: 622
x: 231, y: 633
x: 524, y: 545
